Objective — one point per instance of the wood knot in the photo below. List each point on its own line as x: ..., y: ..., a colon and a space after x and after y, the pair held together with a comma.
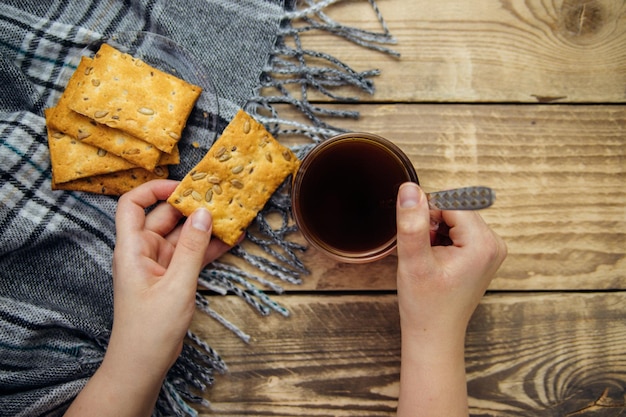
x: 582, y: 18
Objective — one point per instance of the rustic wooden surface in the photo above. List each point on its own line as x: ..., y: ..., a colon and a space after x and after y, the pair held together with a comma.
x: 529, y: 98
x: 527, y: 354
x: 567, y: 51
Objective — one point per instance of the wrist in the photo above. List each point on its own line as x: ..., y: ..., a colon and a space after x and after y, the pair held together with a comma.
x: 431, y: 325
x: 128, y: 385
x: 432, y: 374
x: 118, y: 388
x: 134, y: 363
x: 433, y: 344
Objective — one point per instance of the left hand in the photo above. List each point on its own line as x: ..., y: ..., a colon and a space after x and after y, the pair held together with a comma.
x: 156, y: 263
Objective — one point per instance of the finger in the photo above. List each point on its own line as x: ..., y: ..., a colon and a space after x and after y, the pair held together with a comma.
x: 413, y: 229
x: 130, y: 215
x: 464, y: 226
x: 189, y: 256
x: 436, y: 221
x: 216, y: 247
x: 163, y: 219
x: 469, y: 230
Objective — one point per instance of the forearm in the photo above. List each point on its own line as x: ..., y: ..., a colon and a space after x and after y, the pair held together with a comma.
x: 432, y: 376
x: 118, y: 388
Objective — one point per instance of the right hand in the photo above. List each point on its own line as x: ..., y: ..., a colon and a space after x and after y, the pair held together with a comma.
x: 439, y: 287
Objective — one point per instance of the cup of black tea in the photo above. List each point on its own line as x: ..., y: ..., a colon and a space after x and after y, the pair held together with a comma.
x: 344, y: 196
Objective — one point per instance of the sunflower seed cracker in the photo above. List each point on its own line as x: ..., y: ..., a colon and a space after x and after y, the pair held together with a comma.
x: 240, y: 193
x: 72, y: 159
x: 115, y: 183
x: 135, y: 97
x: 62, y: 118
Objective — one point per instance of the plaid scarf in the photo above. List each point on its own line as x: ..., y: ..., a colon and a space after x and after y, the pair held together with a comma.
x: 56, y: 247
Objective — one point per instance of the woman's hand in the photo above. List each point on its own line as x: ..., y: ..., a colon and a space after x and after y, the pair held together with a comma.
x: 156, y: 263
x: 439, y: 287
x: 442, y: 285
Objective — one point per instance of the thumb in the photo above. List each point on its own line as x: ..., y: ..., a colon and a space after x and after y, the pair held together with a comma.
x: 413, y: 230
x: 189, y: 255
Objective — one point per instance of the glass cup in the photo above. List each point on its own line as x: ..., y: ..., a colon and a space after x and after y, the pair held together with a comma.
x: 344, y: 196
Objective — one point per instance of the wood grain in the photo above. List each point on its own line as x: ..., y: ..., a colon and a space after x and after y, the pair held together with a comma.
x: 490, y: 51
x: 526, y: 355
x: 528, y: 97
x: 558, y: 171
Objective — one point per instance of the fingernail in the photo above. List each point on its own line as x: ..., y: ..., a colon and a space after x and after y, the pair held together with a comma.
x: 409, y: 195
x: 201, y: 219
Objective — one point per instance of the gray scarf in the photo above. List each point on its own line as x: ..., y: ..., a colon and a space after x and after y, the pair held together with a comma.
x: 56, y: 247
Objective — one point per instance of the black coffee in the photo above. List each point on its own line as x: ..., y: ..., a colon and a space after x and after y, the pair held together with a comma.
x: 347, y: 198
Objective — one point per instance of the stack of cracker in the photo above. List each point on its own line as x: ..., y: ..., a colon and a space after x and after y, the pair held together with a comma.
x: 117, y: 124
x: 234, y: 180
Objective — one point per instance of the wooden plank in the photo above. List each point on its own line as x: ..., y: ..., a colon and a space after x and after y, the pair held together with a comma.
x: 490, y: 51
x: 526, y: 355
x: 558, y: 171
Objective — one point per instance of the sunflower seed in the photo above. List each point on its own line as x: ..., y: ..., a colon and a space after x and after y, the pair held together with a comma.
x: 217, y: 189
x: 173, y: 135
x: 196, y: 195
x: 145, y: 110
x: 208, y: 196
x: 287, y: 155
x: 224, y: 157
x: 198, y: 175
x: 95, y: 82
x: 102, y: 152
x: 237, y: 169
x: 100, y: 114
x: 268, y: 156
x: 246, y: 127
x: 187, y: 192
x: 82, y: 134
x: 159, y: 171
x: 221, y: 151
x: 214, y: 179
x: 133, y: 151
x: 236, y: 183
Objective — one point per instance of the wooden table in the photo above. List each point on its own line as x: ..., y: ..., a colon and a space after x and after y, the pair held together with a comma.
x: 528, y: 97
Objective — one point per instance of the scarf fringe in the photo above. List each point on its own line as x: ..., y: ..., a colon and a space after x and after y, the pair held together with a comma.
x: 287, y: 66
x: 291, y: 65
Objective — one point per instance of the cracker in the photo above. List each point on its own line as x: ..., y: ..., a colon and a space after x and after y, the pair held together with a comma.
x: 63, y: 119
x: 236, y: 177
x: 170, y: 158
x: 116, y: 183
x: 71, y: 159
x: 126, y: 93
